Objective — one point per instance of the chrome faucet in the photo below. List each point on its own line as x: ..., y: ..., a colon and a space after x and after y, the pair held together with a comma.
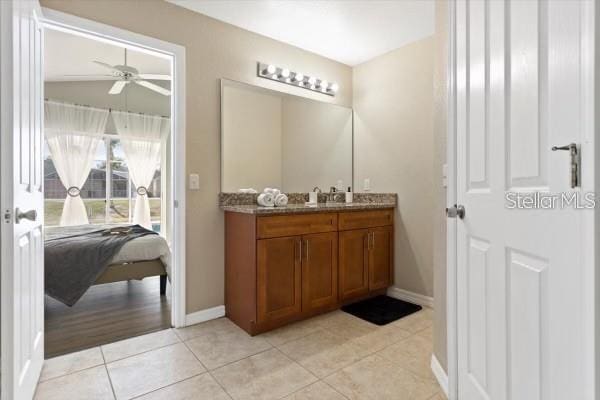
x: 331, y: 196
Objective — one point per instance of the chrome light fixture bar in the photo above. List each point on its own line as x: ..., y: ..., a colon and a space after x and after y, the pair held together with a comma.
x: 298, y: 79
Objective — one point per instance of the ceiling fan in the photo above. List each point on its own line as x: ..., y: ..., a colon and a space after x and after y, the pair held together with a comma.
x: 125, y: 74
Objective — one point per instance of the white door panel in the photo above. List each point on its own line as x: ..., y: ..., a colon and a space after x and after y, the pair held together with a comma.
x: 22, y: 244
x: 519, y: 272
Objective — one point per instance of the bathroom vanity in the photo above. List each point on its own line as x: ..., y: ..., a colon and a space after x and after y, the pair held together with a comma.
x: 287, y: 264
x: 283, y: 264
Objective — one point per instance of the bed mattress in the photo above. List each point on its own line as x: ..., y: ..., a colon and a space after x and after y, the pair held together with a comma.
x: 145, y: 248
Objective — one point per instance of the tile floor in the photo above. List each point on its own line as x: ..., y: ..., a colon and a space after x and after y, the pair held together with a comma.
x: 330, y: 357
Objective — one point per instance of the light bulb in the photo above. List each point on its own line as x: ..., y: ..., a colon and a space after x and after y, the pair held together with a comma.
x: 312, y: 80
x: 274, y: 76
x: 299, y: 77
x: 271, y: 69
x: 334, y: 87
x: 324, y: 85
x: 285, y: 73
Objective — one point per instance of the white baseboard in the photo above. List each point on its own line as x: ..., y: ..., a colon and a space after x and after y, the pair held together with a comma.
x: 411, y: 297
x: 440, y: 374
x: 204, y: 315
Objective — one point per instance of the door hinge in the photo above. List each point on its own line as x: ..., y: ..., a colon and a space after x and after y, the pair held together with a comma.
x: 7, y: 216
x: 175, y: 204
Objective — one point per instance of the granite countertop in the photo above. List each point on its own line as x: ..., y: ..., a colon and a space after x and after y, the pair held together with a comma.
x: 302, y: 208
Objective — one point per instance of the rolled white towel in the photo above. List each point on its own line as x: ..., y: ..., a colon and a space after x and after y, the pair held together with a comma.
x: 281, y: 200
x: 273, y: 191
x: 266, y: 200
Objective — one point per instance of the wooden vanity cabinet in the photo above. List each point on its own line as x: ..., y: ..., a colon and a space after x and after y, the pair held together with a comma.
x: 295, y: 275
x: 278, y: 278
x: 354, y: 264
x: 366, y: 252
x: 319, y: 271
x: 283, y: 268
x: 381, y: 257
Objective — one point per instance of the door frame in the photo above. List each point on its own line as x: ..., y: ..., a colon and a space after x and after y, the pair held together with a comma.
x: 97, y: 31
x: 590, y: 182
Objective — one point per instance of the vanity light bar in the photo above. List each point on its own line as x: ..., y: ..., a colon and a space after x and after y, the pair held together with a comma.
x: 284, y: 75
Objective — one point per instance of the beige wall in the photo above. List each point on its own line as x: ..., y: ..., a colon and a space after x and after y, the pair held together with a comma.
x: 393, y: 116
x: 214, y: 50
x: 439, y: 158
x: 252, y: 130
x: 317, y: 145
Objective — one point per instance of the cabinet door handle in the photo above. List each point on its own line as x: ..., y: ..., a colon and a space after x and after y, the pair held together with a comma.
x: 306, y: 247
x: 373, y: 235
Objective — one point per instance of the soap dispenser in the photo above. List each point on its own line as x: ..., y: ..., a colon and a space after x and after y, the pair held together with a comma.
x: 349, y: 195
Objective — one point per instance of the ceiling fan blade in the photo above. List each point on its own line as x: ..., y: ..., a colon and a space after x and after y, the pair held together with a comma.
x: 156, y: 77
x: 154, y: 87
x: 117, y: 87
x: 105, y: 65
x: 90, y: 75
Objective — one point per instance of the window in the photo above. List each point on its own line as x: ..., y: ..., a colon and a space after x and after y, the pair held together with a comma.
x: 108, y: 193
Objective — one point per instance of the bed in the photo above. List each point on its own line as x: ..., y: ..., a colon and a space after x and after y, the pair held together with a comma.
x: 80, y: 256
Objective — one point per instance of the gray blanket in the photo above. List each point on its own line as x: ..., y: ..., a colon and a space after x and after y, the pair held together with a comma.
x: 76, y: 256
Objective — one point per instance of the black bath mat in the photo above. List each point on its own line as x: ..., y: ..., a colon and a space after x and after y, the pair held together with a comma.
x: 381, y: 310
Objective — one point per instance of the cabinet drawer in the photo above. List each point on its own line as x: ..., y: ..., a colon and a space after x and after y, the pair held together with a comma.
x: 292, y: 225
x: 365, y: 219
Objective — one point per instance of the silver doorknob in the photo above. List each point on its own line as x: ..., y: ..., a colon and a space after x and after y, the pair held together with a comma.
x: 30, y: 215
x: 456, y: 211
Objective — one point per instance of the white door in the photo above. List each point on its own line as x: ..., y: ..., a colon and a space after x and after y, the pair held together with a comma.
x: 22, y: 277
x: 521, y: 304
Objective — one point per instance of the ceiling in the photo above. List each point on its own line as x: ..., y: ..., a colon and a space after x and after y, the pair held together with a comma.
x: 67, y: 54
x: 348, y: 31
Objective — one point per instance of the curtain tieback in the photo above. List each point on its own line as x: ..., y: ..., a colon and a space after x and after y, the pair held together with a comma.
x: 142, y: 191
x: 73, y: 191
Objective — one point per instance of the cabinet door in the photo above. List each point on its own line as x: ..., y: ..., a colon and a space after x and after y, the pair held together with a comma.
x: 353, y: 263
x: 380, y: 257
x: 278, y: 283
x: 319, y: 271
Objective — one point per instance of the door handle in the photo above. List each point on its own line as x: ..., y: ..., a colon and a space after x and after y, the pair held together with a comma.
x: 30, y: 215
x: 575, y: 162
x: 456, y: 211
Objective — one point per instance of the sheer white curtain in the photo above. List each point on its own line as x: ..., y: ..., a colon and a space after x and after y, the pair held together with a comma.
x: 73, y: 134
x: 141, y: 137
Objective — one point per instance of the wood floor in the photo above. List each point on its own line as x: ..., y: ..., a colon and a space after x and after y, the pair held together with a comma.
x: 105, y: 314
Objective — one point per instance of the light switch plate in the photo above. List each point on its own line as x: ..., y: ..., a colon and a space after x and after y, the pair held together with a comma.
x: 367, y: 184
x: 194, y: 182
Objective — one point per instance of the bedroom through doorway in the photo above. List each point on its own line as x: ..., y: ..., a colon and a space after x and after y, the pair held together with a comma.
x: 108, y: 191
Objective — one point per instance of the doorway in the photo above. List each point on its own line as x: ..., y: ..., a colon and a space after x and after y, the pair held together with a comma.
x: 140, y: 80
